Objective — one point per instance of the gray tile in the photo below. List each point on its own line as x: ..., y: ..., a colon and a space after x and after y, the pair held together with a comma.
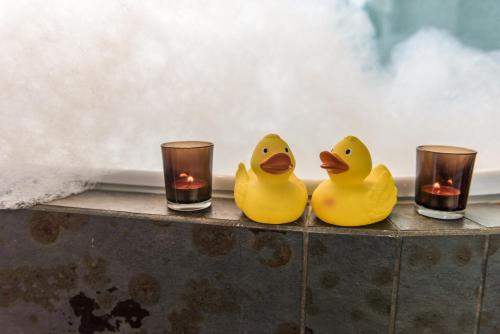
x: 408, y: 221
x: 485, y: 214
x: 350, y: 283
x: 439, y: 284
x: 490, y: 310
x: 271, y: 263
x: 60, y: 272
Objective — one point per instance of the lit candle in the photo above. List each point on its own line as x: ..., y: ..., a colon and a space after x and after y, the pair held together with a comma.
x: 187, y: 182
x: 187, y: 187
x: 443, y: 179
x: 441, y: 196
x: 187, y: 168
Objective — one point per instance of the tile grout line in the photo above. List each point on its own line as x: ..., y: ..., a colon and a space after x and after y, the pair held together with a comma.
x: 480, y: 296
x: 305, y: 254
x: 395, y: 286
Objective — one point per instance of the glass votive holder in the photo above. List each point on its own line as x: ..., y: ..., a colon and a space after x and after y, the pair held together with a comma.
x: 187, y: 169
x: 444, y: 175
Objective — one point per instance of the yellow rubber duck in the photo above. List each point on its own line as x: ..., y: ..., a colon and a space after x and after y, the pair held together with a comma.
x: 269, y: 192
x: 354, y: 194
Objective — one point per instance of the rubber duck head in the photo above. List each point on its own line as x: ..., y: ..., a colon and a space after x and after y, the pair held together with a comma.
x: 272, y: 159
x: 349, y: 162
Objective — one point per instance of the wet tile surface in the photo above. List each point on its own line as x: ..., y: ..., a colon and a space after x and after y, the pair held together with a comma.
x: 490, y: 312
x: 67, y: 273
x: 439, y: 283
x: 350, y: 283
x: 408, y: 220
x: 153, y: 206
x: 487, y: 215
x: 146, y: 204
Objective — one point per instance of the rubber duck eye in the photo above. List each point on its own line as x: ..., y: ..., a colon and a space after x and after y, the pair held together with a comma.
x: 264, y: 150
x: 348, y: 151
x: 286, y: 149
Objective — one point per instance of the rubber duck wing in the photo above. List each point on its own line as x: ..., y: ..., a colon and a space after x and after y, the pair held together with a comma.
x: 383, y: 193
x: 240, y: 185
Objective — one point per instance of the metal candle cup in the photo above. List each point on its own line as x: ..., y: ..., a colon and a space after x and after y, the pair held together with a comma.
x: 444, y: 175
x: 187, y: 168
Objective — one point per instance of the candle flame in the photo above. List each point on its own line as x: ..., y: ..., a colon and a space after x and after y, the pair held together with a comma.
x: 183, y: 174
x: 436, y: 187
x: 190, y: 179
x: 450, y: 181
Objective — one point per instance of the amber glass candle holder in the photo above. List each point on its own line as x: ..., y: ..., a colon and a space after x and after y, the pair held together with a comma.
x: 444, y: 175
x: 187, y: 168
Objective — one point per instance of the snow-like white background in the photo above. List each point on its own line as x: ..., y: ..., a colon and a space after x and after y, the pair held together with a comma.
x: 100, y: 84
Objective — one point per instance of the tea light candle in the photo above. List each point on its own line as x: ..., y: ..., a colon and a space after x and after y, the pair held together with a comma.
x: 441, y: 196
x: 187, y: 187
x: 443, y: 180
x: 187, y: 167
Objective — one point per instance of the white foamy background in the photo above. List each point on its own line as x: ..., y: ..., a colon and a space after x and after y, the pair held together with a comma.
x: 100, y: 84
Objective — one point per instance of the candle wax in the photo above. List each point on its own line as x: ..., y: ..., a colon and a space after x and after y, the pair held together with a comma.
x: 189, y: 190
x: 443, y: 198
x: 186, y: 185
x: 441, y: 190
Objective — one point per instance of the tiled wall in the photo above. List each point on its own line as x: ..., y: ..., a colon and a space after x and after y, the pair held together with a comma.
x: 64, y: 272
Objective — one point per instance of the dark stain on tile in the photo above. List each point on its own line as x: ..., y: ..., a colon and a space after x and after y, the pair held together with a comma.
x: 424, y: 257
x: 378, y: 302
x: 213, y: 240
x: 463, y: 255
x: 45, y: 226
x: 208, y: 298
x: 317, y: 248
x: 291, y: 328
x: 127, y: 311
x: 131, y: 311
x: 33, y: 319
x: 202, y: 297
x: 144, y: 288
x: 383, y: 277
x: 185, y: 320
x: 262, y: 230
x: 357, y: 314
x: 281, y: 251
x: 84, y: 307
x: 287, y: 328
x: 96, y: 276
x: 431, y: 321
x: 36, y: 284
x: 328, y: 279
x: 112, y: 289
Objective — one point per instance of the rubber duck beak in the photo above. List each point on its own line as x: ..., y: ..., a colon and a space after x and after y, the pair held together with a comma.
x: 278, y: 163
x: 333, y: 163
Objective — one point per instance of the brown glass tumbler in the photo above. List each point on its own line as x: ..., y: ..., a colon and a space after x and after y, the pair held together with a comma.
x: 444, y: 175
x: 187, y: 168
